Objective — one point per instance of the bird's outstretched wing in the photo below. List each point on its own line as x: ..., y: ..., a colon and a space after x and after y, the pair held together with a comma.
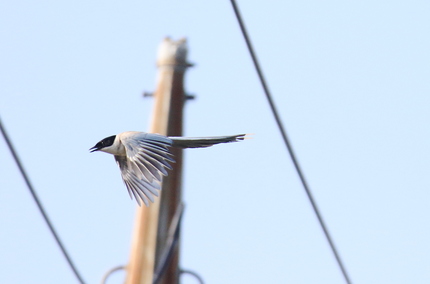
x: 147, y: 160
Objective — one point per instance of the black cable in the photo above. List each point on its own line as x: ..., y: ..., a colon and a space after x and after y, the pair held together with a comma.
x: 287, y: 142
x: 39, y: 204
x: 192, y: 273
x: 171, y: 242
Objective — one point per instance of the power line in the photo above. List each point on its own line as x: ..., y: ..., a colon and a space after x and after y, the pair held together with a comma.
x: 39, y: 204
x: 171, y: 242
x: 287, y: 142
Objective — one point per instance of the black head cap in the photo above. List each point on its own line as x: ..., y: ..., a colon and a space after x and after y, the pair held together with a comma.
x: 108, y: 141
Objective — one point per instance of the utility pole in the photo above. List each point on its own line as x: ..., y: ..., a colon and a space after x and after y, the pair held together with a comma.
x: 155, y: 242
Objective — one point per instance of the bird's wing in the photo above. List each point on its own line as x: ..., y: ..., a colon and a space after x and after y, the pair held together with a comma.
x: 147, y: 160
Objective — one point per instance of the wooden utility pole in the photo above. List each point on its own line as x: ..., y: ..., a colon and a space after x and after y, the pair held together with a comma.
x: 153, y: 224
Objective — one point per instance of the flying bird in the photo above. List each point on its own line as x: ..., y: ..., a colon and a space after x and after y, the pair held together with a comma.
x: 144, y: 158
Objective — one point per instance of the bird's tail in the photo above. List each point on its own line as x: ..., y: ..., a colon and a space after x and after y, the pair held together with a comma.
x: 201, y: 142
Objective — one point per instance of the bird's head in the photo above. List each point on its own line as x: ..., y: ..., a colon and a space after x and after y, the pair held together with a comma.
x: 104, y: 144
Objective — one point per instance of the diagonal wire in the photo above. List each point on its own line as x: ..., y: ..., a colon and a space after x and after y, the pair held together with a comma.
x: 39, y: 204
x: 171, y: 242
x: 287, y: 142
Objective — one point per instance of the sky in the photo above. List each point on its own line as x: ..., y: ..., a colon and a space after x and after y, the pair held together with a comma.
x: 351, y: 83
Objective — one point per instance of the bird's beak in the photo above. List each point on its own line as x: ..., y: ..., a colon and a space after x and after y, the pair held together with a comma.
x: 94, y: 149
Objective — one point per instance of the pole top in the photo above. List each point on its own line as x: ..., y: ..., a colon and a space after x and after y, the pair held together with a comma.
x: 173, y: 53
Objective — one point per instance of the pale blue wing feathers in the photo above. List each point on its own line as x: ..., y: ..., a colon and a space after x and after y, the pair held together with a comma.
x: 147, y: 160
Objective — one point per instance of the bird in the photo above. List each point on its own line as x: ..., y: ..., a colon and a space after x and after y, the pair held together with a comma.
x: 144, y: 158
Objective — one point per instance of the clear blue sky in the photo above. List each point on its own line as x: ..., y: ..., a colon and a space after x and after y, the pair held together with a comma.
x: 350, y: 79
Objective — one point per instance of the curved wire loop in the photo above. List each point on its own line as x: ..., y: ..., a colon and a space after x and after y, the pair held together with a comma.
x: 198, y: 277
x: 110, y: 272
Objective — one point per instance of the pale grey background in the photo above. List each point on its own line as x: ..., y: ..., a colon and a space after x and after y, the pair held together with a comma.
x: 350, y: 78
